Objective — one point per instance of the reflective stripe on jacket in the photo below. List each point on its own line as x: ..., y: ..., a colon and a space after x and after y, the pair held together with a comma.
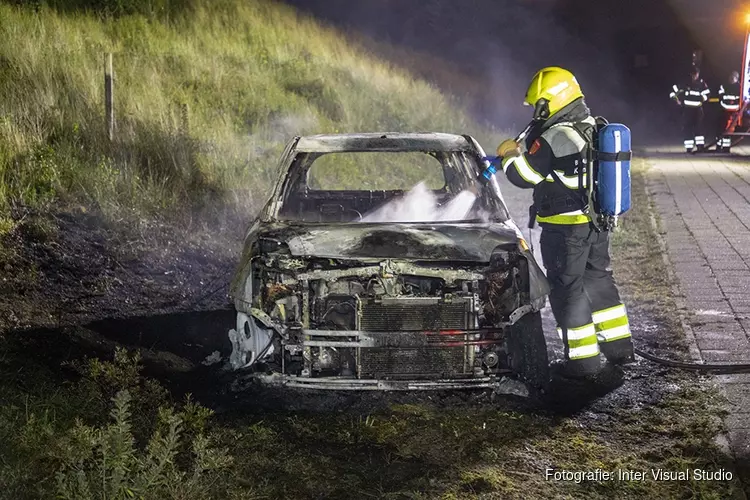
x: 691, y: 95
x: 729, y: 97
x: 551, y: 167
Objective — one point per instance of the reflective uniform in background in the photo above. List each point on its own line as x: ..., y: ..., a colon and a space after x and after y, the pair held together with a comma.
x: 729, y: 97
x: 590, y: 316
x: 691, y: 97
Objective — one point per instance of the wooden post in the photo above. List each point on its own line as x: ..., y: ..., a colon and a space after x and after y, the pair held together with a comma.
x: 185, y: 118
x: 109, y: 97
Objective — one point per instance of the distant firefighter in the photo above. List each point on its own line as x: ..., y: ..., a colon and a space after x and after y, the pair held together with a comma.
x: 729, y: 97
x: 691, y: 97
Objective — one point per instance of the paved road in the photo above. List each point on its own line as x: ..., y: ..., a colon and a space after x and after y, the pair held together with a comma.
x: 704, y: 204
x: 518, y: 201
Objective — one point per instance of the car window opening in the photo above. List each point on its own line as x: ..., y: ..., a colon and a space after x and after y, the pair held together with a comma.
x: 380, y: 186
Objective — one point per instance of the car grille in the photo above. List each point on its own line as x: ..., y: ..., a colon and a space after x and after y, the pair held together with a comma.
x: 406, y: 314
x: 409, y: 355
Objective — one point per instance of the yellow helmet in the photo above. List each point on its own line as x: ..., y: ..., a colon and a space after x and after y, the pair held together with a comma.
x: 557, y: 85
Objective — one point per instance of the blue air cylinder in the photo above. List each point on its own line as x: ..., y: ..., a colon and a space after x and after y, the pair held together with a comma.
x: 613, y: 175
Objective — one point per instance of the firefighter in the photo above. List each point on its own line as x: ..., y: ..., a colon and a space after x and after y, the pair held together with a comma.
x: 691, y: 97
x: 591, y: 318
x: 729, y: 98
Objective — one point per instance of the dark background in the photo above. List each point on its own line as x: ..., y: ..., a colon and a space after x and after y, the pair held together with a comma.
x: 626, y: 53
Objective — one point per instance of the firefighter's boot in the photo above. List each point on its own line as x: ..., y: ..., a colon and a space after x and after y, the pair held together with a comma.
x: 618, y: 352
x: 577, y: 369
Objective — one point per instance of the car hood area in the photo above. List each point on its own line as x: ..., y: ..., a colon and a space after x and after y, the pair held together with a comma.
x: 467, y: 242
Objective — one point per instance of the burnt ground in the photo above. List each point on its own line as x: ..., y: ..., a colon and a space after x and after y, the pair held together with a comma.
x: 75, y: 287
x: 98, y: 287
x: 178, y: 349
x: 73, y: 267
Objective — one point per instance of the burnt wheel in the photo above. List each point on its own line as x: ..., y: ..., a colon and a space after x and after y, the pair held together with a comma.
x: 527, y: 352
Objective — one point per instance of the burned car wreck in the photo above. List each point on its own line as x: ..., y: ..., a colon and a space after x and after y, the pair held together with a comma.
x: 379, y: 262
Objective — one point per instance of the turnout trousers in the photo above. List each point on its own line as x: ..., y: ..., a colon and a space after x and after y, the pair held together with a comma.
x: 723, y: 142
x: 692, y: 128
x: 591, y: 319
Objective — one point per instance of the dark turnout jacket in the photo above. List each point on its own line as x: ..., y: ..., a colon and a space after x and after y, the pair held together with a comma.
x: 554, y: 165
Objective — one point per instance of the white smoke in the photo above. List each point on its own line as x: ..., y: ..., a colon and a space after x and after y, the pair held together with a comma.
x: 421, y: 205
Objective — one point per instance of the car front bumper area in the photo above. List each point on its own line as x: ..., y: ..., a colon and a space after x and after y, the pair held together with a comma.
x: 405, y: 360
x: 339, y: 383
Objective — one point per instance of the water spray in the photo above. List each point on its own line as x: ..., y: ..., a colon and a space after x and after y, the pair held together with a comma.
x: 421, y: 205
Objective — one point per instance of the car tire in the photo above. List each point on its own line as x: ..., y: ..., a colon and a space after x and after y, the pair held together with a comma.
x: 527, y: 353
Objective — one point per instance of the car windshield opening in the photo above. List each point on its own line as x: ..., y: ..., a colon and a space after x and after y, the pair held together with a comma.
x: 385, y: 186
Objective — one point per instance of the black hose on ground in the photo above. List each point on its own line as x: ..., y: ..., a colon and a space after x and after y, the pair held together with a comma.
x: 702, y: 367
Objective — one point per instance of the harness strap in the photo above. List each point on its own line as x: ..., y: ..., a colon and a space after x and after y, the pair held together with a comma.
x: 564, y: 203
x: 621, y: 156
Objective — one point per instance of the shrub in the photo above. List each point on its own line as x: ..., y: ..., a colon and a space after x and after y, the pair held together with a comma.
x: 103, y: 462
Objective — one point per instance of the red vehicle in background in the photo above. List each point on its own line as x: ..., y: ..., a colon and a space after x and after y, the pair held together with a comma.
x: 738, y: 122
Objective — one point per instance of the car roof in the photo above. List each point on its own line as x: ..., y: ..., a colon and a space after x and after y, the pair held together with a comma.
x: 383, y: 141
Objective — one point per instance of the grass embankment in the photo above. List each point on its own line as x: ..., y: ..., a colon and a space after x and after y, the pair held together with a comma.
x: 419, y: 450
x: 249, y: 74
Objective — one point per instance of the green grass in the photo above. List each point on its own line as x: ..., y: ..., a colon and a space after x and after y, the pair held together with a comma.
x: 58, y: 439
x: 206, y: 95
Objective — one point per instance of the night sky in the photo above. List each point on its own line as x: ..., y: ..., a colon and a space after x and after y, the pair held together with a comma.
x: 626, y: 53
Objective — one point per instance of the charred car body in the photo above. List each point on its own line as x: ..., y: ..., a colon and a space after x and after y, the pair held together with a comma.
x: 351, y: 278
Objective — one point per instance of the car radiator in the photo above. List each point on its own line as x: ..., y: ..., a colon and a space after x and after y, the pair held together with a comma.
x: 402, y: 323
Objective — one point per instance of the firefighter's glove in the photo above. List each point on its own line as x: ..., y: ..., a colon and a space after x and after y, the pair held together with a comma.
x: 507, y: 148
